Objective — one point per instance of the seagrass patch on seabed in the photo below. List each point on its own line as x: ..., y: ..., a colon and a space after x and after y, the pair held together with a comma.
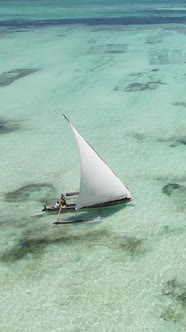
x: 140, y: 81
x: 180, y: 103
x: 171, y: 188
x: 174, y: 141
x: 107, y: 48
x: 35, y: 191
x: 10, y: 76
x: 167, y: 56
x: 151, y: 85
x: 35, y: 246
x: 8, y: 126
x: 176, y: 192
x: 175, y: 292
x: 154, y: 39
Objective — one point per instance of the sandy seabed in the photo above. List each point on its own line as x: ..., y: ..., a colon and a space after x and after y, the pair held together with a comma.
x: 123, y: 88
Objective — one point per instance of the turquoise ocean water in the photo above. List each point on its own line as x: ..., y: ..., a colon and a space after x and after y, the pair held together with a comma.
x: 118, y: 71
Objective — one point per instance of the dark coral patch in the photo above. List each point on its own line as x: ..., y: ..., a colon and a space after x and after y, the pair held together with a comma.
x: 10, y: 76
x: 168, y: 189
x: 8, y: 126
x: 169, y: 287
x: 39, y: 192
x: 177, y: 194
x: 171, y: 314
x: 175, y: 290
x: 181, y: 298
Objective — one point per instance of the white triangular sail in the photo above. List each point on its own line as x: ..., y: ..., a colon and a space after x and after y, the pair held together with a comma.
x: 98, y: 183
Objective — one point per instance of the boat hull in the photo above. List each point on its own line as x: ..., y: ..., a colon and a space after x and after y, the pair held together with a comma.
x: 71, y: 207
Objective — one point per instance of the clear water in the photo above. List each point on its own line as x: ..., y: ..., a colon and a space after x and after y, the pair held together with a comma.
x: 118, y: 71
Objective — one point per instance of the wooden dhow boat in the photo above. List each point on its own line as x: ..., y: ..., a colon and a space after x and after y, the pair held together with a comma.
x: 99, y: 186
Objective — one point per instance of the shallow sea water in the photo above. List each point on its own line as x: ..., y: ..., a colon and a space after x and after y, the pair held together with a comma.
x: 118, y: 72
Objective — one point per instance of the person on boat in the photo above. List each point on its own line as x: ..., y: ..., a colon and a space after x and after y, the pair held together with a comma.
x: 56, y: 205
x: 63, y: 201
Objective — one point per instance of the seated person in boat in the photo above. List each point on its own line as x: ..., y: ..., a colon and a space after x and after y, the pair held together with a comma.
x: 63, y: 201
x: 56, y: 205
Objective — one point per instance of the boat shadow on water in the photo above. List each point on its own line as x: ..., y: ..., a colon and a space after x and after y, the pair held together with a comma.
x: 31, y: 237
x: 95, y: 215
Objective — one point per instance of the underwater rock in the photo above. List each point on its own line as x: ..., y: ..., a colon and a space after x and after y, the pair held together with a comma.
x: 39, y: 192
x: 7, y: 126
x: 168, y: 189
x: 9, y: 77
